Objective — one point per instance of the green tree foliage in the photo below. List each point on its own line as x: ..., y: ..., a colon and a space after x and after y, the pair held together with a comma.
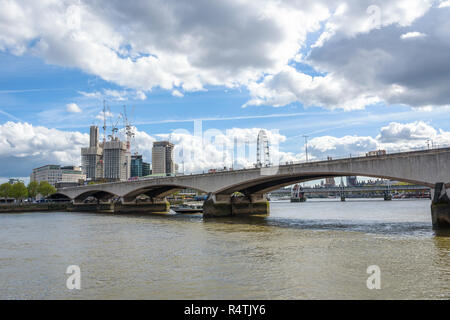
x: 45, y: 189
x: 33, y: 189
x: 19, y: 191
x: 5, y: 190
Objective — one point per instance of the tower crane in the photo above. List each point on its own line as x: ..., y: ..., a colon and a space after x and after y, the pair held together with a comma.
x: 129, y: 130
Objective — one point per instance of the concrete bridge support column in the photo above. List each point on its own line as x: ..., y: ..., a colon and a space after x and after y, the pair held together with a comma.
x: 99, y: 207
x: 156, y: 205
x: 219, y: 205
x: 440, y: 207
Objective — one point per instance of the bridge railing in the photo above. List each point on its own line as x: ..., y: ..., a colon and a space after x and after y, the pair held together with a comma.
x: 362, y: 155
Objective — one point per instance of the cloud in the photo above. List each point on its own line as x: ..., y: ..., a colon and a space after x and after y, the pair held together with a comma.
x: 216, y: 149
x: 73, y: 108
x: 324, y: 146
x: 177, y: 93
x: 160, y: 44
x: 410, y: 35
x: 24, y: 147
x: 444, y: 4
x: 394, y: 137
x: 115, y: 95
x: 358, y: 64
x: 290, y: 85
x: 398, y: 132
x: 190, y: 45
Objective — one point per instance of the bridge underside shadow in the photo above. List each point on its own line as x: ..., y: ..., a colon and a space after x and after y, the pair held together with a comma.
x: 142, y: 200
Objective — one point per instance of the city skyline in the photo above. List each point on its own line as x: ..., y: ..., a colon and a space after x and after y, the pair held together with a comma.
x: 350, y: 82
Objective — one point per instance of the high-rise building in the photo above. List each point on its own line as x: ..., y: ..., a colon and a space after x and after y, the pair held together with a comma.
x: 116, y: 160
x: 139, y: 168
x: 136, y: 166
x: 91, y: 157
x: 54, y: 174
x: 162, y: 158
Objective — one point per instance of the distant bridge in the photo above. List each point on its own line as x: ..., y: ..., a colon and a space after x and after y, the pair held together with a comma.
x: 429, y: 168
x: 336, y: 189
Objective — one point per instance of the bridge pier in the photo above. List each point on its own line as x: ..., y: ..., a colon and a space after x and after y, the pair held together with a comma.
x: 99, y: 207
x: 440, y: 207
x: 156, y: 205
x: 219, y: 205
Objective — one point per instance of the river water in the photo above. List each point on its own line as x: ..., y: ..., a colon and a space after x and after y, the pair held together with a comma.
x: 312, y: 250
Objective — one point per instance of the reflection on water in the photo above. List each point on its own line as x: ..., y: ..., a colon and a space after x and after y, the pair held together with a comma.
x: 317, y: 249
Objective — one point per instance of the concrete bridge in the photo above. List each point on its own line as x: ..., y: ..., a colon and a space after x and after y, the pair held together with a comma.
x: 430, y: 168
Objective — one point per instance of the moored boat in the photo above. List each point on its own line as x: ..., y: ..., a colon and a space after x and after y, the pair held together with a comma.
x: 188, y: 208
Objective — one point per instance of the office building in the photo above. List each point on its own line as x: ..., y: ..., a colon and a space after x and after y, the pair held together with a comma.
x: 91, y: 157
x: 136, y: 166
x: 55, y: 174
x: 162, y: 158
x: 146, y: 169
x: 139, y: 168
x: 72, y: 174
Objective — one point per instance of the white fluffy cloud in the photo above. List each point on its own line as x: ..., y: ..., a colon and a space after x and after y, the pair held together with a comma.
x: 393, y: 53
x: 444, y: 4
x: 290, y: 85
x: 73, y: 108
x: 23, y: 147
x: 187, y: 45
x: 216, y: 149
x: 414, y: 34
x: 170, y: 44
x: 393, y: 137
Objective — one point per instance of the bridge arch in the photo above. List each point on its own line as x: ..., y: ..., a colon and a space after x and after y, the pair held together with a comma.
x: 58, y: 196
x: 266, y: 184
x: 156, y: 191
x: 100, y: 195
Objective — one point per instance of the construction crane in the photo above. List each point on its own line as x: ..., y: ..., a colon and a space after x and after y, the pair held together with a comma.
x: 129, y: 129
x: 104, y: 121
x: 114, y: 129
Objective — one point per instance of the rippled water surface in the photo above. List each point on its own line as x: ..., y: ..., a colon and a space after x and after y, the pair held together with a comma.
x: 312, y: 250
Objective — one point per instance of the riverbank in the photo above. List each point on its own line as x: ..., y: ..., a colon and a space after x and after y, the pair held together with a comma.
x: 32, y: 207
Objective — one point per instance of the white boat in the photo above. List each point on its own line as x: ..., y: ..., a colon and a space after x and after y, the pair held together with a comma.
x: 188, y: 208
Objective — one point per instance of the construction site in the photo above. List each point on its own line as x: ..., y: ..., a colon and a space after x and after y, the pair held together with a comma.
x: 110, y: 159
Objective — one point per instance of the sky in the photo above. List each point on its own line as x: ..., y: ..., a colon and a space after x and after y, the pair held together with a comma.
x: 353, y: 76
